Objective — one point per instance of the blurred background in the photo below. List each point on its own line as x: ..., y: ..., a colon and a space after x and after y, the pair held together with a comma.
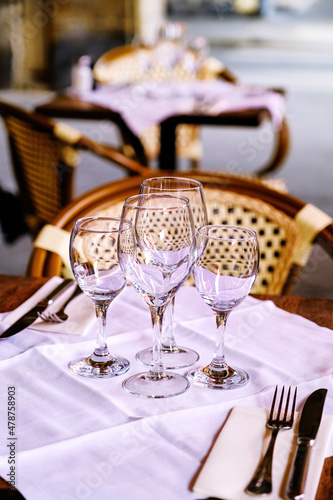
x: 276, y: 43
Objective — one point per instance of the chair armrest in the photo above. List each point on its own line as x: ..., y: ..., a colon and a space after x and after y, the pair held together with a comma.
x: 109, y: 153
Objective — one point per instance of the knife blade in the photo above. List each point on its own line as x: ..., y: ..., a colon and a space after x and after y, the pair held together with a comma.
x: 307, y: 432
x: 28, y: 318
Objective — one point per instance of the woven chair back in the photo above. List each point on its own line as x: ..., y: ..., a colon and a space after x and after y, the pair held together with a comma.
x: 43, y: 166
x: 278, y: 234
x: 284, y: 246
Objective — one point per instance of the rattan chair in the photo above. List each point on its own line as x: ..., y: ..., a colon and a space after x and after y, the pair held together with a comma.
x: 286, y: 226
x: 44, y: 157
x: 138, y: 64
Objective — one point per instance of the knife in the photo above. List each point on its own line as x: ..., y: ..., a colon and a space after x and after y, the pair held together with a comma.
x: 307, y: 432
x: 32, y: 315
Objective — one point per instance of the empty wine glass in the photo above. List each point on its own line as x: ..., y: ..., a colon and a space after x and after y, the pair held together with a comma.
x: 94, y: 262
x: 157, y: 255
x: 224, y: 274
x: 195, y: 55
x: 175, y: 356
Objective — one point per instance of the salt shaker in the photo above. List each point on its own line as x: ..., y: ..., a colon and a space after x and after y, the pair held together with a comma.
x: 82, y: 75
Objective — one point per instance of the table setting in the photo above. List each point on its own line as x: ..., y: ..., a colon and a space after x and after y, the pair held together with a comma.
x: 138, y: 107
x: 147, y: 85
x: 147, y: 103
x: 88, y: 418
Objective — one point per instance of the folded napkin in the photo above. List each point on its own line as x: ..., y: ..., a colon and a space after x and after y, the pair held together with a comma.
x: 80, y: 310
x: 240, y: 447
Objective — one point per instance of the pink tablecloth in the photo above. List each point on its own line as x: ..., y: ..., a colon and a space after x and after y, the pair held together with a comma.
x: 149, y: 103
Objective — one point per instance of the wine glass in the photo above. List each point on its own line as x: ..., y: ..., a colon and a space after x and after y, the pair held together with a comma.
x: 224, y: 274
x: 94, y: 262
x: 175, y: 356
x: 195, y: 55
x: 157, y: 255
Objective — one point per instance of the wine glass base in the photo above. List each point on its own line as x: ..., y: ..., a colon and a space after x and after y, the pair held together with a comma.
x: 200, y: 378
x: 171, y: 384
x: 181, y: 357
x: 88, y: 368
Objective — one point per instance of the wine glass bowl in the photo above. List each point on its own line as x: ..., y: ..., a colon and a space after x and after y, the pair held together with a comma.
x: 157, y: 255
x: 175, y: 356
x: 224, y: 273
x: 94, y: 262
x: 180, y: 186
x: 195, y: 55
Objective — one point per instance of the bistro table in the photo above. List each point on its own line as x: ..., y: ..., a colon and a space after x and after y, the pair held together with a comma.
x: 16, y: 289
x: 64, y: 105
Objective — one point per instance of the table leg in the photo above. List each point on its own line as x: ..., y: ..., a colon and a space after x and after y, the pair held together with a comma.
x: 167, y: 159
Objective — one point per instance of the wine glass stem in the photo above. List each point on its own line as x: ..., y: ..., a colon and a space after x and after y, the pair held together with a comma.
x: 169, y: 342
x: 156, y: 369
x: 101, y: 348
x: 218, y: 361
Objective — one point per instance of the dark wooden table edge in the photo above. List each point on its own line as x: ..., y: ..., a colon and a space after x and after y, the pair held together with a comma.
x: 16, y: 289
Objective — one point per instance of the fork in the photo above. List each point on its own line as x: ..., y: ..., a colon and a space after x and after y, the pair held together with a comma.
x: 59, y: 316
x: 262, y: 480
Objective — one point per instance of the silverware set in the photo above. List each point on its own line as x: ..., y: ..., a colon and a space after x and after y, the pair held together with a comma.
x: 283, y: 419
x: 60, y: 316
x: 40, y: 310
x: 261, y: 483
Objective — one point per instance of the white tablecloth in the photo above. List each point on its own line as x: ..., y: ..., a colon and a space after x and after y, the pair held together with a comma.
x: 79, y: 438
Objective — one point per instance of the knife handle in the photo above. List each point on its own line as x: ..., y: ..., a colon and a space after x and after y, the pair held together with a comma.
x: 298, y: 470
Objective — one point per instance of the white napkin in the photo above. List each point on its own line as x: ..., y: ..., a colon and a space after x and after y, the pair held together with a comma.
x: 239, y: 448
x: 80, y: 310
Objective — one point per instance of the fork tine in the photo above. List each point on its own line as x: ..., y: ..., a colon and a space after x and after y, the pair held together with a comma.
x: 50, y: 317
x: 280, y: 404
x: 287, y: 406
x: 273, y: 403
x: 60, y: 316
x: 57, y: 319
